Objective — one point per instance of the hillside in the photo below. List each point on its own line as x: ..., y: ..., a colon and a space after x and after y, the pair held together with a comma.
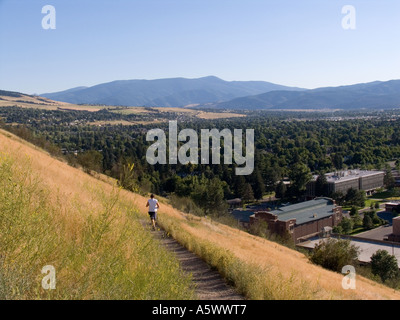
x: 22, y: 100
x: 173, y: 92
x: 91, y: 232
x: 373, y: 95
x: 52, y: 214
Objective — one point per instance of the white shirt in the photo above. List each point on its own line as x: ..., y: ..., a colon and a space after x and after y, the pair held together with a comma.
x: 153, y: 205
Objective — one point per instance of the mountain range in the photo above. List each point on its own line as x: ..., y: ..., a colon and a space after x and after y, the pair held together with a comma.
x: 212, y: 92
x: 173, y: 92
x: 373, y: 95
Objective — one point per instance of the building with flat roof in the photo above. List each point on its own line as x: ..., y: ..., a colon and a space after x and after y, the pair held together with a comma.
x: 395, y: 236
x: 342, y: 181
x: 392, y: 206
x: 396, y: 177
x: 302, y: 220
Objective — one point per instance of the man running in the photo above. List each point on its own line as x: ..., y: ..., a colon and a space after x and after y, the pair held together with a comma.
x: 153, y: 206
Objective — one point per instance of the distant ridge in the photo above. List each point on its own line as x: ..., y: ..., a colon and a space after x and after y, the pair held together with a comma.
x: 372, y: 95
x: 66, y: 91
x: 171, y: 92
x: 11, y: 94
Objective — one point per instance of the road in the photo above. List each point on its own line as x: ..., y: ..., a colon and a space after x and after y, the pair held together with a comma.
x: 379, y: 233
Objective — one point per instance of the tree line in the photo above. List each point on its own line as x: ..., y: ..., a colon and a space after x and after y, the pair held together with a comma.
x: 286, y: 149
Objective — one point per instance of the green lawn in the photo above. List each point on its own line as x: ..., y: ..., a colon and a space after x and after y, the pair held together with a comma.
x: 368, y: 202
x: 384, y: 195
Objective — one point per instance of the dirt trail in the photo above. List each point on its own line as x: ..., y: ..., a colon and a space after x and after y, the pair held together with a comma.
x: 209, y: 284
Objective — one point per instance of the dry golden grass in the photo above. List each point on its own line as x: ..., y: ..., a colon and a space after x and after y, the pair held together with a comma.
x: 48, y: 104
x: 176, y: 110
x: 29, y: 100
x: 44, y: 103
x: 201, y: 114
x: 287, y: 274
x: 111, y: 123
x: 86, y: 227
x: 219, y: 115
x: 189, y: 112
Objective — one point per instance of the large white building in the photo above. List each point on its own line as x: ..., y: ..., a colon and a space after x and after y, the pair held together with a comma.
x: 342, y: 181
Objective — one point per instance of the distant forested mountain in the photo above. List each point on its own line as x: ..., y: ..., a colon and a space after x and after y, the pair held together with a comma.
x: 373, y: 95
x: 173, y: 92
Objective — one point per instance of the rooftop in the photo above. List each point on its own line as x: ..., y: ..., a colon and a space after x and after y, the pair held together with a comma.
x: 393, y: 202
x: 242, y: 215
x: 348, y: 175
x: 306, y: 211
x: 367, y: 247
x: 234, y: 201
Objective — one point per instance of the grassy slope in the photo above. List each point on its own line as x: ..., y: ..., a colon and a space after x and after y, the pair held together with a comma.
x: 261, y: 269
x: 52, y: 214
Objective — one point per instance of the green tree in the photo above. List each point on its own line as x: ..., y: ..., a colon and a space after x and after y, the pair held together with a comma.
x: 334, y: 254
x: 339, y: 197
x: 355, y: 197
x: 248, y: 194
x: 347, y: 225
x: 280, y: 190
x: 384, y: 265
x: 321, y: 186
x: 257, y: 184
x: 353, y: 211
x: 239, y: 186
x: 271, y: 175
x: 357, y: 221
x: 184, y: 186
x: 389, y: 180
x: 337, y: 161
x: 374, y: 217
x: 367, y: 222
x: 210, y: 197
x: 299, y: 176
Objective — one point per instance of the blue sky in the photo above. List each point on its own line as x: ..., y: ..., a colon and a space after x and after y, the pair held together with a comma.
x: 295, y: 43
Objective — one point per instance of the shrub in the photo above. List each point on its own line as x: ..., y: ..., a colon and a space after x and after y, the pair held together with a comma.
x: 334, y: 254
x: 353, y: 211
x: 367, y: 222
x: 384, y: 265
x: 185, y: 204
x: 347, y: 225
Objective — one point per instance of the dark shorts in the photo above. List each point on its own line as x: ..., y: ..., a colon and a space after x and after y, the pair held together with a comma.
x: 153, y: 215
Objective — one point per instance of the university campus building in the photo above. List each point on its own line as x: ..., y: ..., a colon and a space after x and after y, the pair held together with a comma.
x: 342, y: 181
x: 302, y: 220
x: 395, y: 236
